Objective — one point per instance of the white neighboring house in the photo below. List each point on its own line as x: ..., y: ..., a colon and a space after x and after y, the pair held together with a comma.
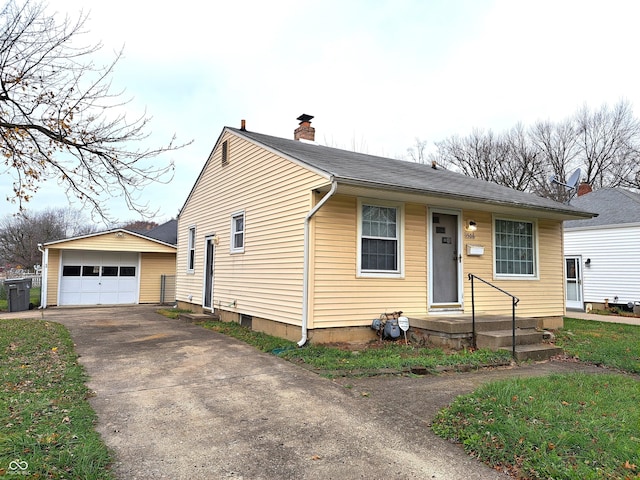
x: 602, y: 254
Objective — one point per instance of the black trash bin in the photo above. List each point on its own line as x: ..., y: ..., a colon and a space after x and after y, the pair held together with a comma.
x: 18, y: 290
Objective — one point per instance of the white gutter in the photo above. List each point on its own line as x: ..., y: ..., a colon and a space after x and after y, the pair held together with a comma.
x: 43, y: 276
x: 305, y: 274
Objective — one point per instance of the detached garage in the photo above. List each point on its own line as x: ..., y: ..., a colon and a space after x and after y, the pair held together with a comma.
x: 109, y: 268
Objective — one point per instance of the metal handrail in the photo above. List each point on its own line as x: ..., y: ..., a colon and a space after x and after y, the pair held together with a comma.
x: 514, y: 304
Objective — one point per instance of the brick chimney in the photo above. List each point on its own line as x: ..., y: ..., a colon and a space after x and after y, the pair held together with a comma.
x: 305, y: 131
x: 584, y: 188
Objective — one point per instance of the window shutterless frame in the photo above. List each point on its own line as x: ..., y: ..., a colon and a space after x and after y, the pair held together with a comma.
x: 191, y: 249
x: 237, y: 232
x: 516, y: 250
x: 380, y: 246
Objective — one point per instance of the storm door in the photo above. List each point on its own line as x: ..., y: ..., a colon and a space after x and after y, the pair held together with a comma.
x: 573, y: 281
x: 208, y: 273
x: 445, y: 260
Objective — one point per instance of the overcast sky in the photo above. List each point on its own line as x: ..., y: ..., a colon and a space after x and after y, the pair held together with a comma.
x: 375, y: 74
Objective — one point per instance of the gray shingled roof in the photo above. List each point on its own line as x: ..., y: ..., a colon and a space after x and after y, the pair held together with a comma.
x: 614, y: 206
x: 360, y: 169
x: 166, y: 233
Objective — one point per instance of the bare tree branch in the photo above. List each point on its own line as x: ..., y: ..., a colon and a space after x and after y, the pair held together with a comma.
x: 604, y: 144
x: 60, y: 120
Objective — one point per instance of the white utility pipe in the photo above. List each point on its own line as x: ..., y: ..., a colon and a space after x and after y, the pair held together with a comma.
x: 305, y: 273
x: 44, y: 271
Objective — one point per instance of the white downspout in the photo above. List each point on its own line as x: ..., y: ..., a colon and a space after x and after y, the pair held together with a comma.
x: 43, y: 276
x: 305, y: 273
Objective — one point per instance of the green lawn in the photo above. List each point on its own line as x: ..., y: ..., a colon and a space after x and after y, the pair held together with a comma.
x: 47, y: 423
x: 612, y: 344
x: 574, y: 426
x: 371, y: 359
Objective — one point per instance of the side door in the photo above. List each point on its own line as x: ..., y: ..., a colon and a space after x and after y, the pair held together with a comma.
x: 208, y: 273
x: 573, y: 282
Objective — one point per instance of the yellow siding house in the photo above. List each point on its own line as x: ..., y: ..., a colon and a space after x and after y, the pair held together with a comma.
x: 311, y: 243
x: 109, y: 268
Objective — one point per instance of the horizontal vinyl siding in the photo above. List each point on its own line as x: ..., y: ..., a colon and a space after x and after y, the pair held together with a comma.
x: 615, y: 262
x: 53, y: 273
x: 112, y: 242
x: 538, y: 297
x: 275, y: 195
x: 152, y: 267
x: 340, y: 298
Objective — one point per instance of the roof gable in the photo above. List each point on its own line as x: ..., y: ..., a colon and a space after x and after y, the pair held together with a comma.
x: 113, y: 240
x: 614, y: 206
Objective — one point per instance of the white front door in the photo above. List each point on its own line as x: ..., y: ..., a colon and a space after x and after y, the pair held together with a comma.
x: 573, y: 281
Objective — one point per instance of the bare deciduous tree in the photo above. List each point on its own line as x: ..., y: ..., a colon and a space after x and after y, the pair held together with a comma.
x: 558, y: 151
x: 417, y: 153
x: 139, y: 225
x: 609, y: 140
x: 481, y: 155
x: 604, y: 144
x: 59, y: 118
x: 522, y: 164
x: 20, y: 234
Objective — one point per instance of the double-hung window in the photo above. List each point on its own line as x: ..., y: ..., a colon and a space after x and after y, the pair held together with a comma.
x: 515, y: 248
x: 380, y: 241
x: 237, y: 232
x: 191, y: 245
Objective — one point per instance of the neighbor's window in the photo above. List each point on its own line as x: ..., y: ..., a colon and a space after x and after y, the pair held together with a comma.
x: 515, y: 245
x: 379, y: 239
x: 237, y: 232
x: 191, y: 259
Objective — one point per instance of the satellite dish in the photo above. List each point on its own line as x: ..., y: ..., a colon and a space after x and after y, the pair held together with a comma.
x: 572, y: 183
x: 574, y: 179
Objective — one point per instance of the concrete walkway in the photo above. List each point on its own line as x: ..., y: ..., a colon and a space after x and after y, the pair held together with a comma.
x: 603, y: 318
x: 176, y: 401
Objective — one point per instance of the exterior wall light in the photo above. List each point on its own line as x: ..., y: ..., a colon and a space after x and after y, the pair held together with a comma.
x: 471, y: 226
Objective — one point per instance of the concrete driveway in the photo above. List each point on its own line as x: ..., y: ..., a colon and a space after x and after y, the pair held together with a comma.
x: 176, y: 401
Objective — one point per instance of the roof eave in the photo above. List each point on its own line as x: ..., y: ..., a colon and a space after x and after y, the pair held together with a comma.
x: 558, y: 213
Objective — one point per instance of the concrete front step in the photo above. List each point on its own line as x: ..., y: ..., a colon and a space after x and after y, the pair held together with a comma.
x: 504, y: 338
x: 463, y: 324
x: 198, y: 317
x: 539, y: 351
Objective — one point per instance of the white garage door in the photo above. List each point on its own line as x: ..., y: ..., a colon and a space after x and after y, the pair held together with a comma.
x: 98, y: 278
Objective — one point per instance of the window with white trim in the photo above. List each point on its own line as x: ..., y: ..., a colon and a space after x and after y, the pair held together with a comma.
x: 237, y: 232
x: 515, y: 248
x: 191, y: 255
x: 379, y: 243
